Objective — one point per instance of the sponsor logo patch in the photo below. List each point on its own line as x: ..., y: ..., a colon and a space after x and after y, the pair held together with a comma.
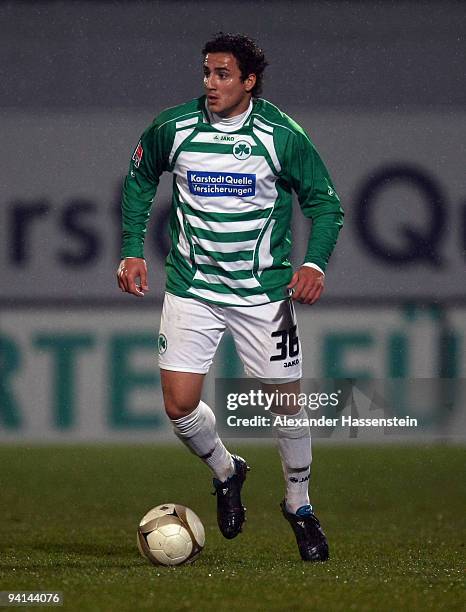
x: 137, y: 155
x: 221, y: 184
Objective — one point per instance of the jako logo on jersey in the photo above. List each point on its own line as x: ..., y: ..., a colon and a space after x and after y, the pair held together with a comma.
x: 137, y: 155
x: 224, y: 138
x: 221, y: 184
x: 242, y: 149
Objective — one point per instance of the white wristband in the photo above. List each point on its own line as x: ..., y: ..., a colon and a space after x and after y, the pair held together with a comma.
x: 315, y: 266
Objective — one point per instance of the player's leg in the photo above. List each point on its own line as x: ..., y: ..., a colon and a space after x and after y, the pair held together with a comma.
x: 294, y: 443
x: 189, y: 335
x: 267, y: 341
x: 190, y: 331
x: 194, y: 422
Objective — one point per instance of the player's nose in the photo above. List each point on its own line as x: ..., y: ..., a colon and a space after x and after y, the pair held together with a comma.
x: 209, y: 82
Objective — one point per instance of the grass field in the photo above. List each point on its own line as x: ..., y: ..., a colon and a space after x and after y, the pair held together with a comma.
x: 394, y: 517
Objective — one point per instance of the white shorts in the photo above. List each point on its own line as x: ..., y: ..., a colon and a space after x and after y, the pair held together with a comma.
x: 266, y: 337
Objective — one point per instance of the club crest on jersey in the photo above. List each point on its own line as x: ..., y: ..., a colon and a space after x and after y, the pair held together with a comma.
x: 242, y: 149
x: 137, y: 155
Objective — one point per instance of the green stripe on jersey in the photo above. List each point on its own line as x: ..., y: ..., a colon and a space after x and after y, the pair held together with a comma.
x: 225, y: 236
x: 223, y: 289
x: 238, y: 274
x: 227, y: 217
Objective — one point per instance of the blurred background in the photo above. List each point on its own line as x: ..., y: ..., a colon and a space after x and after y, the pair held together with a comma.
x: 380, y: 88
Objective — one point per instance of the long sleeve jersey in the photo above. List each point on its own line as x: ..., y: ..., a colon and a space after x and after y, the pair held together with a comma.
x: 232, y: 202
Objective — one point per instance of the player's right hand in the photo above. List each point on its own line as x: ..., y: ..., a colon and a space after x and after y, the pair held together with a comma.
x: 129, y: 270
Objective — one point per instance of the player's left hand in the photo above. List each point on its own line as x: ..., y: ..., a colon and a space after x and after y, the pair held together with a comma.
x: 307, y: 284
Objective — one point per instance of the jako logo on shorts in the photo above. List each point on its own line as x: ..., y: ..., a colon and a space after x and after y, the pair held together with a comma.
x: 221, y: 184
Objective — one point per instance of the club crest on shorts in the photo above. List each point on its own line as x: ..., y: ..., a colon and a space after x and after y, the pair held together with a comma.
x: 242, y: 149
x: 162, y: 344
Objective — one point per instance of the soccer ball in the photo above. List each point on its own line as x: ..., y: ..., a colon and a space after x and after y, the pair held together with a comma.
x: 170, y: 534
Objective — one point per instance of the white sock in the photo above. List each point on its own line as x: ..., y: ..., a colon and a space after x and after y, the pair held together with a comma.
x: 198, y: 432
x: 294, y: 446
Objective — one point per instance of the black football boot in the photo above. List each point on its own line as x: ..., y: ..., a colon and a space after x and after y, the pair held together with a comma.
x: 231, y: 513
x: 310, y: 537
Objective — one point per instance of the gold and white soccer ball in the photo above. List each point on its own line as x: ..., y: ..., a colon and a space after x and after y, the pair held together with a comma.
x: 170, y: 534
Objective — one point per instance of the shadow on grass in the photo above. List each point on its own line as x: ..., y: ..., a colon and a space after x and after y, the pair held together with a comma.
x: 90, y: 549
x: 75, y: 554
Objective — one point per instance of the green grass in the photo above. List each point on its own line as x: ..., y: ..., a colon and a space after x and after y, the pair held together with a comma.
x: 394, y: 517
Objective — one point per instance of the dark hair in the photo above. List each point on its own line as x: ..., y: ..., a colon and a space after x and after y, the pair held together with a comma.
x: 250, y: 57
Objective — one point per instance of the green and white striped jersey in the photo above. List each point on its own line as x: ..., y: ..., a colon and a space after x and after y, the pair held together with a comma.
x: 232, y: 198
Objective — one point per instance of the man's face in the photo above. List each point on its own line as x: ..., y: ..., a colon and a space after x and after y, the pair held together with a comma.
x: 227, y: 94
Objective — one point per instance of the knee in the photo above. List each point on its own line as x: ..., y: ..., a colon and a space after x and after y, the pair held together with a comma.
x: 179, y: 401
x: 176, y: 408
x: 181, y: 392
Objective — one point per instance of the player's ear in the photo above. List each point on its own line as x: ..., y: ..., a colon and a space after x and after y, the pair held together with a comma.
x: 249, y: 82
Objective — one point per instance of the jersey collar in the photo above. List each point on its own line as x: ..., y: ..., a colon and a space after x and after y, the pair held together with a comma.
x: 230, y: 124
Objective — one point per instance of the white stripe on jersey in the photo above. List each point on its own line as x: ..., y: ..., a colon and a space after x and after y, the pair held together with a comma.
x: 180, y: 137
x: 230, y: 266
x: 224, y: 247
x: 267, y: 141
x: 183, y: 245
x: 229, y: 298
x: 262, y: 125
x: 223, y: 139
x: 246, y: 283
x: 186, y: 122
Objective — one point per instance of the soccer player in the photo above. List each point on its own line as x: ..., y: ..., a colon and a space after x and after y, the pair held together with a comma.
x: 235, y: 160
